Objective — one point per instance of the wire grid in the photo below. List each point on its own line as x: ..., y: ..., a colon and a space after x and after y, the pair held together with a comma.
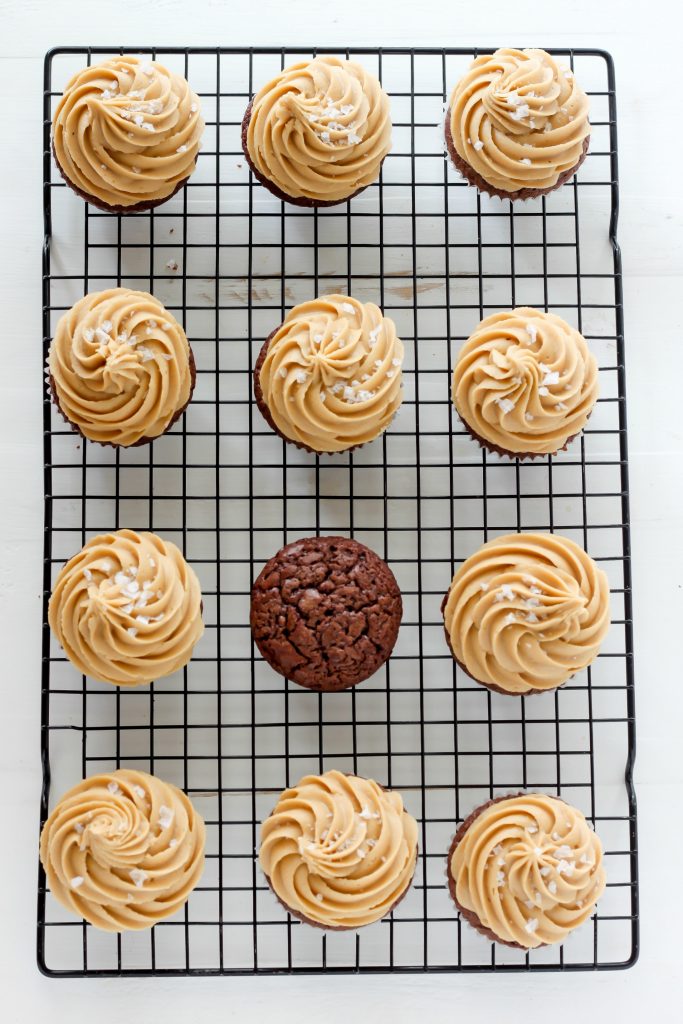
x: 436, y: 256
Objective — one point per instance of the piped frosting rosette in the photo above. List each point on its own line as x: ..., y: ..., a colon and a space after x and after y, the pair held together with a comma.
x: 331, y: 376
x: 123, y: 850
x: 519, y: 120
x: 527, y: 868
x: 127, y: 132
x: 127, y: 608
x: 526, y: 612
x: 339, y: 851
x: 525, y: 382
x: 320, y: 130
x: 120, y: 367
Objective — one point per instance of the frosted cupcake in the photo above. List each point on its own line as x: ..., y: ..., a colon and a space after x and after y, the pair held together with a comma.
x: 525, y: 383
x: 123, y: 850
x: 127, y: 609
x: 317, y: 134
x: 526, y: 612
x: 120, y: 368
x: 126, y: 133
x: 526, y: 870
x: 517, y: 124
x: 339, y: 851
x: 329, y: 378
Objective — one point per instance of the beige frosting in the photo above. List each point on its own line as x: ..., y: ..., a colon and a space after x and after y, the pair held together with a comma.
x: 332, y: 375
x: 320, y: 129
x: 525, y: 381
x: 127, y: 131
x: 519, y: 119
x: 127, y: 608
x: 527, y: 611
x: 530, y: 868
x: 120, y: 365
x: 339, y: 850
x: 123, y: 850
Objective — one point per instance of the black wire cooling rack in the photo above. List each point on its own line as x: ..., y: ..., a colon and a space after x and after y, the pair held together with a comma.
x: 229, y: 260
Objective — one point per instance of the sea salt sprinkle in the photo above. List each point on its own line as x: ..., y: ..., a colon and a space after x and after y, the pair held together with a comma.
x: 531, y: 925
x: 532, y: 331
x: 166, y: 816
x: 139, y: 791
x: 506, y: 404
x: 76, y: 881
x: 347, y: 307
x: 478, y: 145
x: 114, y: 788
x: 139, y: 877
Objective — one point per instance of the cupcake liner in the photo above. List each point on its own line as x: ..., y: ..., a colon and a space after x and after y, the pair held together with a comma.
x: 469, y: 915
x: 265, y: 411
x: 277, y: 192
x: 141, y: 207
x: 342, y: 927
x: 52, y: 391
x: 495, y: 449
x: 483, y: 185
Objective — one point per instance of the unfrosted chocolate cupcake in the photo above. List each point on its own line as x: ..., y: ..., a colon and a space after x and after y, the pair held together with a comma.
x: 525, y: 870
x: 126, y: 133
x: 339, y: 851
x: 316, y: 135
x: 329, y: 378
x: 525, y: 383
x: 325, y: 612
x: 517, y: 124
x: 120, y: 369
x: 526, y: 612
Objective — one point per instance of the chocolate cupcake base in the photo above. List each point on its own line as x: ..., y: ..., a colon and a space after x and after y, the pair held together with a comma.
x: 483, y: 185
x: 326, y: 612
x: 52, y: 389
x: 469, y: 915
x: 273, y: 188
x: 143, y: 206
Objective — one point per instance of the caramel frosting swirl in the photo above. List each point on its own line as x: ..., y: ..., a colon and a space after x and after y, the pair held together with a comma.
x: 519, y: 119
x: 320, y: 130
x: 127, y: 608
x: 127, y: 131
x: 338, y: 850
x: 120, y: 367
x: 525, y: 381
x: 123, y: 850
x: 530, y: 868
x: 331, y: 378
x: 526, y: 612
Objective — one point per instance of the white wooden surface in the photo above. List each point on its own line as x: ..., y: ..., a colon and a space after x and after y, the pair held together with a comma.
x: 651, y: 229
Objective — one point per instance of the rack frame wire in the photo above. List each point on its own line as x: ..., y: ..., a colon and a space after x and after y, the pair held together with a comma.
x: 227, y: 730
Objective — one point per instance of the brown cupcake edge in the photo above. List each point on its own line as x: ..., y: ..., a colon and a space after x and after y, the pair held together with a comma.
x: 142, y: 207
x: 52, y: 391
x: 469, y: 915
x: 483, y: 185
x: 277, y: 192
x: 492, y: 686
x: 343, y: 927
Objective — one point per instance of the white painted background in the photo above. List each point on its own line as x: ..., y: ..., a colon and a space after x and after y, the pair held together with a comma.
x: 642, y: 39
